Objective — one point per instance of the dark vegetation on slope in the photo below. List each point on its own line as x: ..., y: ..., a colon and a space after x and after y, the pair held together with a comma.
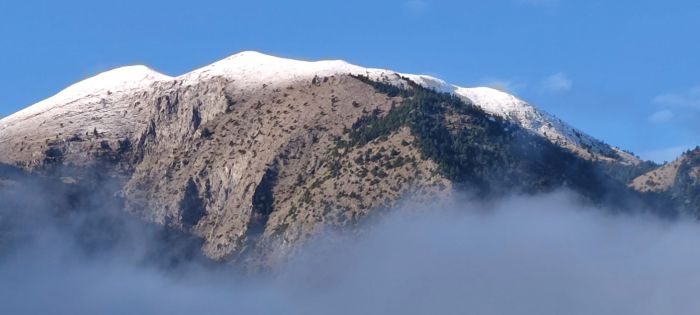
x: 492, y: 156
x: 263, y: 200
x: 626, y: 173
x: 191, y: 205
x: 686, y: 189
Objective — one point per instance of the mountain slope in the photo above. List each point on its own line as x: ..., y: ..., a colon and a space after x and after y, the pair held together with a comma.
x: 255, y: 154
x: 252, y: 69
x: 103, y: 109
x: 680, y: 179
x: 120, y: 80
x: 552, y: 128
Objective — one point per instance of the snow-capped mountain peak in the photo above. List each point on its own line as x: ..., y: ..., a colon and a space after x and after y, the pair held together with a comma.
x: 546, y: 125
x: 113, y: 81
x: 251, y: 70
x: 117, y: 79
x: 492, y: 100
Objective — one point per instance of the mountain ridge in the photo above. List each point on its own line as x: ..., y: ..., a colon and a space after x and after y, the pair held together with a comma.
x: 255, y: 167
x: 679, y: 179
x: 115, y: 80
x: 252, y: 69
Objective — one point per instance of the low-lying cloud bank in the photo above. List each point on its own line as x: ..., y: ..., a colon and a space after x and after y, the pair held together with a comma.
x: 522, y: 255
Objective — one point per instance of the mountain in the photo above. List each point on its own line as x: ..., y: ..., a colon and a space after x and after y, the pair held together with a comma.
x: 103, y: 100
x: 680, y: 179
x: 256, y: 154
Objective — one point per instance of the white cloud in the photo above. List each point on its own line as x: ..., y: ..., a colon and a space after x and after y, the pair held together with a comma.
x: 557, y: 82
x: 662, y: 116
x: 538, y: 3
x: 416, y: 6
x: 689, y: 98
x: 665, y: 154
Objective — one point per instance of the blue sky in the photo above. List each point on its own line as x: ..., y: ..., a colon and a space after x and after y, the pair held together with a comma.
x: 624, y: 71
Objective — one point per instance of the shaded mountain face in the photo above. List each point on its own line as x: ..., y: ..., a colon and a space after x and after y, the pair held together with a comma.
x: 256, y: 154
x: 679, y: 179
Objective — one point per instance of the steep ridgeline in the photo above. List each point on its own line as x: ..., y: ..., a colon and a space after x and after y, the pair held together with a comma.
x: 255, y: 154
x: 679, y: 179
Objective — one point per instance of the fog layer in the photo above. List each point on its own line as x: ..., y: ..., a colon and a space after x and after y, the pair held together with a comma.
x: 522, y: 255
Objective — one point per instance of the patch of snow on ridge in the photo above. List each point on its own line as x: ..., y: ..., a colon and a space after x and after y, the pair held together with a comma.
x: 546, y: 125
x: 252, y: 70
x: 431, y: 82
x: 495, y: 102
x: 116, y: 80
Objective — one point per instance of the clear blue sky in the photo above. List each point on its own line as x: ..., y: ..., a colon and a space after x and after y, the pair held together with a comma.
x: 625, y: 71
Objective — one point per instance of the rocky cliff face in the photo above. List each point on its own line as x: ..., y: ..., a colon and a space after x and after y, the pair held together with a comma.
x: 239, y: 166
x: 255, y: 154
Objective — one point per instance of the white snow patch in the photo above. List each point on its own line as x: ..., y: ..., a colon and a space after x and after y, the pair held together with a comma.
x: 250, y: 70
x: 113, y: 81
x: 542, y: 123
x: 495, y: 101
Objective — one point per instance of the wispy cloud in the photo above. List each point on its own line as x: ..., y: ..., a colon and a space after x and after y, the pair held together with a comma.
x: 544, y: 254
x: 662, y: 116
x: 416, y: 6
x: 689, y: 98
x: 558, y: 82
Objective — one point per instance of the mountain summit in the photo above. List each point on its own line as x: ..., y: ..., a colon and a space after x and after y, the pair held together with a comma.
x: 256, y: 154
x: 117, y: 80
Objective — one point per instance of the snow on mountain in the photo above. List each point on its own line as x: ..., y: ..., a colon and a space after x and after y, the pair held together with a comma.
x: 552, y: 128
x: 250, y: 70
x: 253, y: 70
x: 100, y: 107
x: 113, y: 81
